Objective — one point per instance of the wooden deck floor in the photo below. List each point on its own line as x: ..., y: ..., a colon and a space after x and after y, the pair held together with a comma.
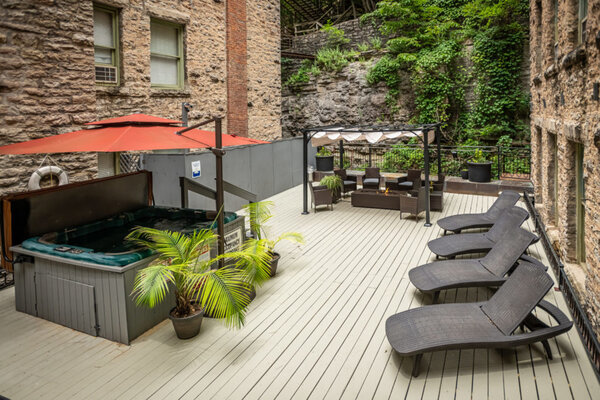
x: 315, y: 331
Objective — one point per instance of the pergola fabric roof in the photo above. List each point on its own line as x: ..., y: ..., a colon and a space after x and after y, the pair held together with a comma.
x: 372, y: 135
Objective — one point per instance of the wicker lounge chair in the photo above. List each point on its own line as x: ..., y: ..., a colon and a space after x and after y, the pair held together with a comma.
x: 489, y: 324
x: 468, y: 243
x: 321, y: 196
x: 372, y: 178
x: 457, y: 223
x: 407, y: 182
x: 415, y: 203
x: 490, y: 270
x: 348, y: 180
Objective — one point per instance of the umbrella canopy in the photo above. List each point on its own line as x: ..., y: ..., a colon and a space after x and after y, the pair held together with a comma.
x: 136, y: 132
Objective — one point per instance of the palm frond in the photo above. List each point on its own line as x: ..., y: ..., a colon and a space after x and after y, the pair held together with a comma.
x: 223, y: 293
x: 151, y: 284
x: 259, y: 213
x: 171, y: 245
x: 256, y: 261
x: 293, y: 237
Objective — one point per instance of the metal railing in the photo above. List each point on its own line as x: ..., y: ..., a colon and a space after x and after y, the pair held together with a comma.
x: 507, y: 162
x: 580, y: 319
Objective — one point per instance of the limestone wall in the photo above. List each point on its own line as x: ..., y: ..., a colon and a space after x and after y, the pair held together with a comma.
x: 47, y: 72
x: 342, y: 98
x: 566, y: 113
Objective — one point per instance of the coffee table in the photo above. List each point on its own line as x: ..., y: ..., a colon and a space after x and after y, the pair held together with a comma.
x: 372, y: 198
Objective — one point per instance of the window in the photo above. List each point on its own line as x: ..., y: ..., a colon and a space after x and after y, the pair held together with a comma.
x: 106, y: 54
x: 166, y: 54
x: 582, y: 21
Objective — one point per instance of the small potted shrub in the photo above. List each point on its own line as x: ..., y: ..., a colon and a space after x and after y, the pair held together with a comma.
x: 259, y: 214
x: 181, y: 269
x: 480, y: 170
x: 324, y: 159
x: 335, y: 184
x: 464, y: 173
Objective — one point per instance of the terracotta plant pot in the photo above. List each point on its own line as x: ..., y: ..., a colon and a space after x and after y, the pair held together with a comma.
x: 187, y: 327
x: 274, y: 262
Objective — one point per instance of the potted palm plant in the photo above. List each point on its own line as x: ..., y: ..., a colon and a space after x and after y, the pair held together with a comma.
x: 333, y: 183
x: 184, y: 267
x: 324, y: 159
x: 480, y: 170
x: 259, y: 214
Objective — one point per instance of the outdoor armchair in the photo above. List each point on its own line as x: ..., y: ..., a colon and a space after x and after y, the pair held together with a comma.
x: 348, y: 180
x: 372, y: 178
x: 490, y: 270
x: 457, y: 223
x: 413, y: 204
x: 439, y: 185
x: 321, y: 196
x: 489, y: 324
x: 465, y: 243
x: 408, y: 182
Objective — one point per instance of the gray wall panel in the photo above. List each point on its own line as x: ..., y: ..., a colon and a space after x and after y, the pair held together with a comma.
x: 282, y: 166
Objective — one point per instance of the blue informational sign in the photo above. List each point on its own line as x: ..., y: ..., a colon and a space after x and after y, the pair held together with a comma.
x: 196, y: 169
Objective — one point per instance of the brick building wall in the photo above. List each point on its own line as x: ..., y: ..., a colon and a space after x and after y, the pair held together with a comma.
x: 565, y: 115
x: 47, y: 83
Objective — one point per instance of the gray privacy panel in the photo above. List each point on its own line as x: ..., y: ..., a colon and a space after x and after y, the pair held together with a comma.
x: 282, y: 163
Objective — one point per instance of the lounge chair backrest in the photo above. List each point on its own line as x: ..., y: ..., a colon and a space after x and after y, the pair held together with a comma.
x: 507, y: 222
x: 341, y: 173
x: 413, y: 174
x: 372, y: 172
x: 515, y: 299
x: 507, y: 199
x: 507, y: 251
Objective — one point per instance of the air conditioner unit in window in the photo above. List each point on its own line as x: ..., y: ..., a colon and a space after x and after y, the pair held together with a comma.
x: 106, y: 74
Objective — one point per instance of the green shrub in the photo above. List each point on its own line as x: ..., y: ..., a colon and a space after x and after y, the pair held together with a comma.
x: 335, y: 36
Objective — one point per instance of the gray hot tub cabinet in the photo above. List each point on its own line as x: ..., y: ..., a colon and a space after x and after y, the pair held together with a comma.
x: 93, y: 298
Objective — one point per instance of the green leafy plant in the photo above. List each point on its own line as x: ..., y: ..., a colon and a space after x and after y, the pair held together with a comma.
x: 333, y: 60
x: 376, y: 43
x: 333, y: 183
x: 335, y: 37
x: 181, y: 267
x: 479, y: 157
x: 362, y: 47
x: 324, y: 152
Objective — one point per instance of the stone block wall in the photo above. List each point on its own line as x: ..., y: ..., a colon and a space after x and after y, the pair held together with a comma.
x: 47, y: 72
x: 566, y: 113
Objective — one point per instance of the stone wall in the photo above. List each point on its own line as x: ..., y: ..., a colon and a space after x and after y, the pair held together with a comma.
x: 565, y: 113
x: 342, y: 98
x: 47, y: 74
x: 354, y: 30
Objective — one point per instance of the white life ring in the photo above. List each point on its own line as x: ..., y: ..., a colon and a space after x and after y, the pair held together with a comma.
x: 38, y: 175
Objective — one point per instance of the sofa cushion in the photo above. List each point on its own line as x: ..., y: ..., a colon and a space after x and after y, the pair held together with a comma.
x: 371, y: 180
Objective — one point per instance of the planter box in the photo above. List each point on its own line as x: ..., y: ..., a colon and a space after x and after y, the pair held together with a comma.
x: 480, y: 172
x: 324, y: 163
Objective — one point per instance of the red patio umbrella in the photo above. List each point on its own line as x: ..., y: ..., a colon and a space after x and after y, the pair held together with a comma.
x: 136, y: 132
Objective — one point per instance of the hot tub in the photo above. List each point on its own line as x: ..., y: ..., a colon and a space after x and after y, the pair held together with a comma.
x: 103, y: 242
x: 82, y: 277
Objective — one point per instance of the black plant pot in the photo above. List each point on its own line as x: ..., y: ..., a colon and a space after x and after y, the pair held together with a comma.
x: 187, y: 327
x: 274, y: 262
x: 464, y: 174
x: 480, y: 172
x: 324, y: 163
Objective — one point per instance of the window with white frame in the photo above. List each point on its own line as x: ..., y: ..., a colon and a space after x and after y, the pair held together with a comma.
x: 166, y: 54
x: 106, y: 44
x: 582, y: 21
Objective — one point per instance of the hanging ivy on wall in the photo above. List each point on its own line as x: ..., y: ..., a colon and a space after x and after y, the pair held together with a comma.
x: 430, y: 38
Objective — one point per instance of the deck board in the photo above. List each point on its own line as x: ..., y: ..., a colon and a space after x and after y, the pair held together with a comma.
x: 317, y: 330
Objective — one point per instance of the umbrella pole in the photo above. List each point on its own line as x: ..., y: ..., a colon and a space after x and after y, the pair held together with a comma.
x: 218, y: 152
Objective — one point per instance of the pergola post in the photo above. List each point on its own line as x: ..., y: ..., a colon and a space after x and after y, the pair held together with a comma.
x: 305, y: 140
x: 342, y: 154
x: 426, y: 159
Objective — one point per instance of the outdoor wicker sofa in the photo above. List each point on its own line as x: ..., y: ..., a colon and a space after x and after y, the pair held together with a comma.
x: 490, y: 270
x: 466, y: 243
x: 349, y: 181
x: 456, y: 223
x: 489, y: 324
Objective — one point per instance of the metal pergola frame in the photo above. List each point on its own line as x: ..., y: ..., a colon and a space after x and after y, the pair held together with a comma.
x: 309, y: 133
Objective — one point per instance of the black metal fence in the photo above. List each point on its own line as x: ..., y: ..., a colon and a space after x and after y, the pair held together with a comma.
x: 507, y: 162
x: 580, y: 319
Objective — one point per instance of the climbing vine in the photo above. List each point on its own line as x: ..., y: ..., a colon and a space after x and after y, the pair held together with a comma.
x: 431, y: 39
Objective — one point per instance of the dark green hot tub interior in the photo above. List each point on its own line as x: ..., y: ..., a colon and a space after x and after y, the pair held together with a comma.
x: 103, y: 242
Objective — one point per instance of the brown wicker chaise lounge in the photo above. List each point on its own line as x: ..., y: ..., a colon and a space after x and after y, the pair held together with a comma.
x: 489, y: 324
x: 490, y: 270
x: 456, y: 223
x: 465, y: 243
